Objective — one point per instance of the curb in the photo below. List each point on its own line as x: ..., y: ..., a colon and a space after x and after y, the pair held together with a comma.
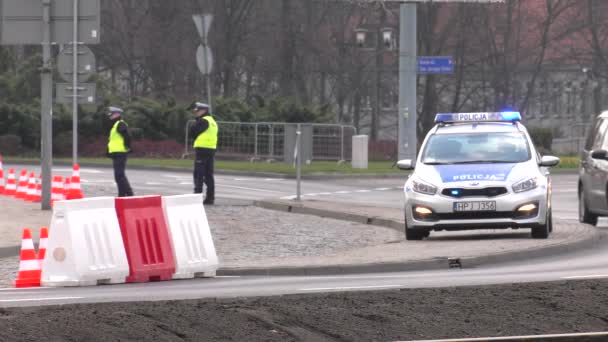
x: 423, y: 265
x: 299, y: 208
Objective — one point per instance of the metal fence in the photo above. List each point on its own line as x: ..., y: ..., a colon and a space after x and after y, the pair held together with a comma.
x: 568, y: 145
x: 267, y: 140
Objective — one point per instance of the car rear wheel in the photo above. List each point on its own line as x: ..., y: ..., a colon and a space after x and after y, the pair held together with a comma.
x: 542, y: 231
x: 584, y: 215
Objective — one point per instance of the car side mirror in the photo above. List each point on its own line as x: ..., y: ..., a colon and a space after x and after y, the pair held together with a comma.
x: 599, y: 154
x: 405, y: 164
x: 549, y: 161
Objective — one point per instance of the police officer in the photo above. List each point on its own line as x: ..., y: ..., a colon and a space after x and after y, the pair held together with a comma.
x: 119, y: 145
x: 204, y: 131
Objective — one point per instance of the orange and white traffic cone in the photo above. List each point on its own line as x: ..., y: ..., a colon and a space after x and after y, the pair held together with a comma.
x: 57, y: 189
x: 22, y: 185
x: 66, y: 188
x: 75, y: 191
x: 38, y: 195
x: 11, y: 184
x: 44, y: 237
x: 1, y: 177
x: 29, y: 266
x: 31, y: 188
x: 2, y: 187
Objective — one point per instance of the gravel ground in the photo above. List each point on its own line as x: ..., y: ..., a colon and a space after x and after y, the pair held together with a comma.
x: 408, y: 314
x: 251, y: 236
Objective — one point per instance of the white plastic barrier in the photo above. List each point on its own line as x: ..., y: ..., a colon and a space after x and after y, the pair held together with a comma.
x: 193, y: 246
x: 85, y: 245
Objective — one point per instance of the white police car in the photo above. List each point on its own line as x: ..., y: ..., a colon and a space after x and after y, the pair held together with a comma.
x: 478, y: 170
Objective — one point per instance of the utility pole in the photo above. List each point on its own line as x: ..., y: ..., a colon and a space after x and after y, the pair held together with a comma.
x: 46, y: 109
x: 408, y: 141
x: 75, y: 84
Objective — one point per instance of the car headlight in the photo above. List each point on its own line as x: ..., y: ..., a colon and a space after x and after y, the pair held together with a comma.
x: 423, y: 188
x: 525, y: 185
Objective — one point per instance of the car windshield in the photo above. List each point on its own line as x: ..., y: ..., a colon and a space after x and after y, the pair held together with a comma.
x: 473, y: 148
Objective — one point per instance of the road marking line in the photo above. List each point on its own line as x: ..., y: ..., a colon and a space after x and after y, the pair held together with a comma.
x: 17, y: 289
x: 288, y: 197
x: 324, y: 193
x: 349, y: 287
x: 252, y: 189
x: 587, y: 276
x: 227, y: 277
x: 257, y: 179
x: 342, y: 192
x: 363, y: 191
x: 34, y: 299
x: 382, y: 189
x: 153, y: 183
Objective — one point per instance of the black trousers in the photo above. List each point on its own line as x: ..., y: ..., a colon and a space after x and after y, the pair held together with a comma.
x: 203, y: 172
x: 119, y: 162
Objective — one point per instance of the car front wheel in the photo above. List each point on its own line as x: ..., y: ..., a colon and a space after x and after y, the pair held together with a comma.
x: 542, y: 231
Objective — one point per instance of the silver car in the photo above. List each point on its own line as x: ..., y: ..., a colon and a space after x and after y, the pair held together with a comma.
x: 478, y: 170
x: 593, y: 173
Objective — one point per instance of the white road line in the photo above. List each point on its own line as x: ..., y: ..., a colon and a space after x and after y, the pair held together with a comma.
x: 591, y: 276
x: 324, y: 193
x: 349, y: 288
x: 382, y: 189
x: 153, y: 183
x: 342, y: 192
x: 227, y: 277
x: 173, y: 175
x: 311, y: 195
x: 288, y: 197
x: 18, y: 289
x: 90, y: 171
x: 37, y: 299
x: 363, y: 191
x: 96, y: 181
x: 245, y: 188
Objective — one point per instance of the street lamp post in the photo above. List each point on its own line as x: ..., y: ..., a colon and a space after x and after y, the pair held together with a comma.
x: 383, y: 41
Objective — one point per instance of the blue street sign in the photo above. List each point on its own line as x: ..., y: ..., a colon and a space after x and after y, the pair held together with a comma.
x: 435, y: 65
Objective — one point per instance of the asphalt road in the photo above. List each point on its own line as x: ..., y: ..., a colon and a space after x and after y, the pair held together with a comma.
x: 589, y: 264
x: 381, y: 192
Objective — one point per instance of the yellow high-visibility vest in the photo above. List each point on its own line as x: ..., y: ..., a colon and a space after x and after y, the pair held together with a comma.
x: 116, y: 142
x: 207, y: 139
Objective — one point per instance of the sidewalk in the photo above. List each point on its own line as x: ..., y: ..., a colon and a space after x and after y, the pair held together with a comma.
x: 317, y: 237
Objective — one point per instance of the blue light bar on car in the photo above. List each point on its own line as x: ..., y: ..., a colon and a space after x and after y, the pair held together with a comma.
x: 478, y: 117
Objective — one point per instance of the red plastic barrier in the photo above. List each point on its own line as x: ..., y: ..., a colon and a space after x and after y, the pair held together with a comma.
x: 146, y: 238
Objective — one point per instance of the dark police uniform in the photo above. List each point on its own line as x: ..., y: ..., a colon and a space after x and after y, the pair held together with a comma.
x: 119, y: 145
x: 204, y: 131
